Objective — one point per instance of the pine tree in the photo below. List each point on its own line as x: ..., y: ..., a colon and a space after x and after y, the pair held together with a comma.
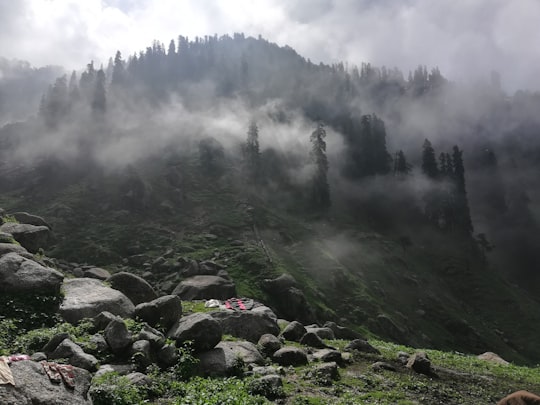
x: 461, y: 205
x: 99, y: 99
x: 429, y: 163
x: 320, y: 187
x: 401, y: 167
x: 119, y: 71
x: 252, y: 153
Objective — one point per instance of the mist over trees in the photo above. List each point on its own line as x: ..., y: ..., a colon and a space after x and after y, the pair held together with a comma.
x: 464, y: 157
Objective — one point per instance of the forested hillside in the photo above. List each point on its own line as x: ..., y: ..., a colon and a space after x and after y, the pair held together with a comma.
x: 404, y: 203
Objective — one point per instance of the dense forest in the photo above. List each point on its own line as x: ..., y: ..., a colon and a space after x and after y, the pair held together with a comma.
x: 401, y: 152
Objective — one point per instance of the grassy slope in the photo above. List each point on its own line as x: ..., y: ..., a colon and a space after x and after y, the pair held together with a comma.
x: 429, y: 294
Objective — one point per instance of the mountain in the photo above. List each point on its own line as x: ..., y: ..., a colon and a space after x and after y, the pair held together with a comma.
x: 236, y: 150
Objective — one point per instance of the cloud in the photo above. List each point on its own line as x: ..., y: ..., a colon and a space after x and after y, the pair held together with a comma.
x: 466, y: 39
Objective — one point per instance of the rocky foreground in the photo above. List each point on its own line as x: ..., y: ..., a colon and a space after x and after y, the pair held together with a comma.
x: 122, y: 326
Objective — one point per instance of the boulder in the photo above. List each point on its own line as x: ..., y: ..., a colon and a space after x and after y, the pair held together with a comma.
x: 117, y: 336
x: 420, y: 363
x: 34, y: 387
x: 14, y: 248
x: 155, y: 337
x: 342, y: 332
x: 133, y: 287
x: 205, y: 287
x: 26, y: 218
x: 361, y: 346
x: 281, y: 283
x: 200, y: 328
x: 382, y: 365
x: 327, y: 355
x: 288, y: 299
x: 167, y: 356
x: 86, y: 298
x: 313, y: 340
x: 246, y: 324
x: 323, y: 333
x: 290, y: 356
x: 269, y: 386
x: 21, y: 275
x: 325, y: 373
x: 141, y: 353
x: 492, y: 358
x: 97, y: 273
x: 75, y: 355
x: 164, y: 311
x: 227, y: 359
x: 294, y: 331
x: 269, y: 344
x: 31, y: 237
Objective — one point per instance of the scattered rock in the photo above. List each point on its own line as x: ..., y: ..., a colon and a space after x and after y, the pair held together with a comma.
x: 341, y: 332
x: 294, y: 331
x: 311, y: 339
x: 118, y: 336
x: 167, y: 356
x: 492, y: 358
x: 381, y: 365
x: 34, y: 387
x: 205, y: 287
x: 155, y: 337
x: 6, y: 247
x: 164, y: 311
x: 86, y: 298
x: 31, y: 237
x: 141, y: 353
x: 26, y: 218
x: 325, y: 373
x: 420, y: 363
x: 403, y: 357
x: 323, y: 333
x: 97, y: 273
x: 269, y: 386
x: 200, y: 328
x: 53, y: 342
x: 290, y: 356
x: 269, y: 344
x: 361, y: 346
x: 245, y: 351
x: 246, y: 324
x: 75, y: 354
x: 328, y: 355
x: 21, y: 275
x: 133, y: 287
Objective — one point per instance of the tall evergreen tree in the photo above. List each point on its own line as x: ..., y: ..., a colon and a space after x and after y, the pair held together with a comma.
x: 429, y: 162
x: 252, y: 153
x: 99, y: 99
x: 320, y: 187
x: 119, y: 71
x: 401, y: 167
x: 461, y: 204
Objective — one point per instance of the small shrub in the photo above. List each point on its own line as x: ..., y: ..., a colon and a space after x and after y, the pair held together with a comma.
x: 112, y: 389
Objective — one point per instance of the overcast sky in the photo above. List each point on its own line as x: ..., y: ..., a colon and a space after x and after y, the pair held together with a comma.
x: 466, y: 39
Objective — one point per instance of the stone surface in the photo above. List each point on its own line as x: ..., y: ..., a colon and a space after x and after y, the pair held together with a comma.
x: 31, y: 237
x: 6, y: 248
x: 200, y: 328
x: 246, y: 324
x: 327, y: 355
x: 290, y: 356
x: 97, y: 273
x: 75, y: 355
x: 21, y: 275
x: 134, y: 287
x: 33, y: 387
x: 313, y: 340
x: 118, y: 336
x: 164, y: 311
x: 361, y: 346
x: 228, y: 358
x: 294, y: 331
x: 341, y: 332
x: 26, y: 218
x: 205, y: 287
x: 323, y: 333
x: 492, y: 358
x: 86, y: 298
x: 269, y: 386
x: 420, y: 363
x: 269, y: 344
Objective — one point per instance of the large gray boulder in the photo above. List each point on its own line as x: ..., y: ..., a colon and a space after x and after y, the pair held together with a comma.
x: 31, y: 237
x: 86, y: 298
x: 164, y: 311
x: 290, y: 356
x: 34, y: 387
x: 118, y: 336
x: 205, y: 287
x: 133, y: 287
x: 68, y: 349
x: 294, y: 331
x: 6, y: 248
x: 246, y: 324
x: 26, y: 218
x: 201, y: 329
x: 228, y: 358
x: 21, y: 275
